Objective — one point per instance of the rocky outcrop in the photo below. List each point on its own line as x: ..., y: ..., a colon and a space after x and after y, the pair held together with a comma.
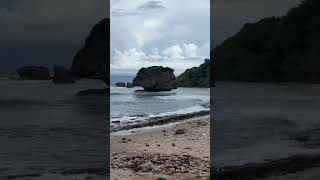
x: 196, y: 76
x: 62, y: 76
x: 129, y: 85
x: 274, y: 49
x: 156, y: 78
x: 92, y: 61
x: 120, y: 84
x: 34, y: 73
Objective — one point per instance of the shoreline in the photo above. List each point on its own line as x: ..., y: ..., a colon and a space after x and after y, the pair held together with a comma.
x: 158, y: 121
x: 177, y: 151
x: 276, y: 169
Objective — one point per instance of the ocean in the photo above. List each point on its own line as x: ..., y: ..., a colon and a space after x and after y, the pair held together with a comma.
x: 131, y: 105
x: 49, y: 129
x: 254, y: 122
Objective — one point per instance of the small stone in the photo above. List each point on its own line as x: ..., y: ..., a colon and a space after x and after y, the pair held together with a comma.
x: 173, y: 144
x: 180, y: 131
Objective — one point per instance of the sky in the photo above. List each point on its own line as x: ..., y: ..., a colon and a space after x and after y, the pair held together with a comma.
x: 170, y: 33
x: 229, y: 16
x: 45, y: 32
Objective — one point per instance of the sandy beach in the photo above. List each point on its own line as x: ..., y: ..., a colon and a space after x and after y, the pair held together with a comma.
x: 173, y: 151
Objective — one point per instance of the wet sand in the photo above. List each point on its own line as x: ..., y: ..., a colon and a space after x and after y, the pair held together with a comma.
x: 173, y: 151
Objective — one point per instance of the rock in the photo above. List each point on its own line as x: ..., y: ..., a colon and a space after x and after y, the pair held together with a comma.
x: 120, y: 84
x: 173, y: 144
x: 196, y: 76
x: 34, y: 73
x: 93, y: 92
x: 62, y: 76
x: 156, y: 78
x: 92, y: 61
x: 180, y: 131
x: 129, y: 85
x: 273, y: 49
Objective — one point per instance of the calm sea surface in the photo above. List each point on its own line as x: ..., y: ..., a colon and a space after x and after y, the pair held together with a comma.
x: 47, y: 128
x: 254, y: 121
x: 131, y: 105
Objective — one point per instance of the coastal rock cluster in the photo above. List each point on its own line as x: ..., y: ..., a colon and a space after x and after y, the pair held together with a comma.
x: 62, y: 75
x: 274, y: 48
x: 34, y: 73
x: 160, y: 163
x: 92, y: 61
x: 156, y: 78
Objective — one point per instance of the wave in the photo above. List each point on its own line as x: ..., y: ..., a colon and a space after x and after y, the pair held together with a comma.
x: 143, y: 117
x: 200, y: 98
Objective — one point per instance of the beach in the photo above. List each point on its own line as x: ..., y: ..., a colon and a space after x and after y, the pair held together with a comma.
x: 179, y: 150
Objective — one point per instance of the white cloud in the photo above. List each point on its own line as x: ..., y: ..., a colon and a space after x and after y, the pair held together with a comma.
x: 173, y: 52
x: 171, y: 33
x: 178, y: 57
x: 190, y: 50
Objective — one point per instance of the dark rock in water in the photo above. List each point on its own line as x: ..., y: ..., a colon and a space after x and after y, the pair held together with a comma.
x: 129, y: 85
x: 92, y: 61
x: 120, y: 84
x: 94, y: 92
x: 156, y: 78
x: 62, y: 76
x: 34, y: 73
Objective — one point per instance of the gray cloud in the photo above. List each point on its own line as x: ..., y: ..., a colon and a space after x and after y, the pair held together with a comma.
x: 151, y: 5
x: 137, y: 9
x: 160, y: 33
x: 45, y: 31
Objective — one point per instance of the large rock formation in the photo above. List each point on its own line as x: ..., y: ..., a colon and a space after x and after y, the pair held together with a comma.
x: 62, y: 76
x: 196, y: 76
x: 156, y: 78
x: 274, y: 49
x: 34, y: 73
x: 92, y: 61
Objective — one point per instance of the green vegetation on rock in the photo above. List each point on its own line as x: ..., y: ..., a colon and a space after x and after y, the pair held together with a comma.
x: 196, y: 76
x: 274, y: 49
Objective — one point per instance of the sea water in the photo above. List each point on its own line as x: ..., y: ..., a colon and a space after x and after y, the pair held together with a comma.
x: 130, y: 105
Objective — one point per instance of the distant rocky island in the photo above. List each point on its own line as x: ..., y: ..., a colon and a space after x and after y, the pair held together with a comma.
x: 156, y: 78
x: 274, y: 49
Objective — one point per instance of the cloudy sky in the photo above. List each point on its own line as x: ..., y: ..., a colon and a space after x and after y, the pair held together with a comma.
x: 171, y: 33
x: 45, y: 32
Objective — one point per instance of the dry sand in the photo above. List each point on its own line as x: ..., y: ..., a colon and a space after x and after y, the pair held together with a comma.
x: 144, y: 154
